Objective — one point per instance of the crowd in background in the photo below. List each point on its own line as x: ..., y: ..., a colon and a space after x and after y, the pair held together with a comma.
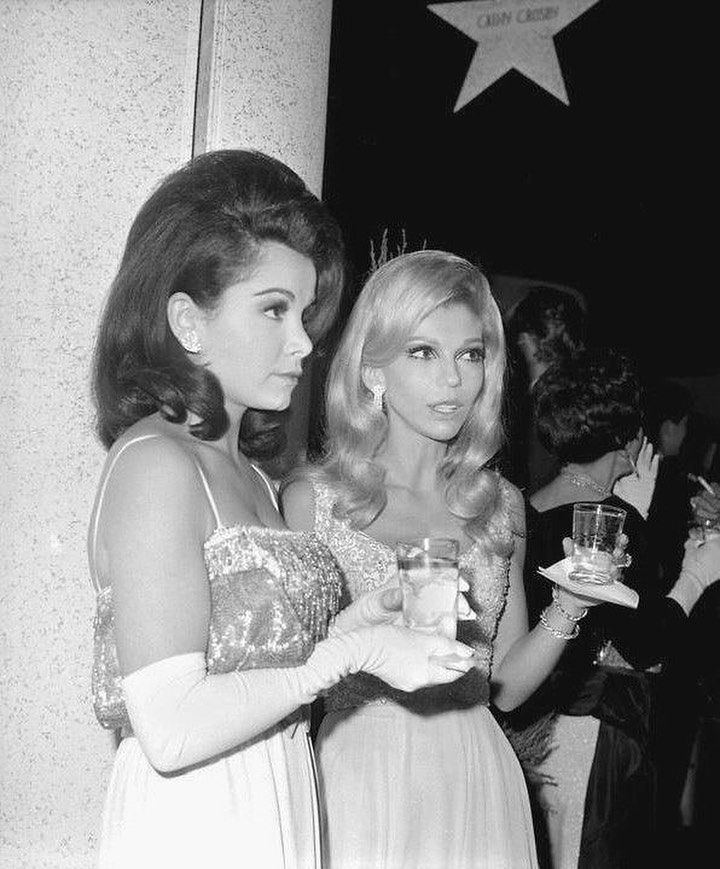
x: 559, y: 381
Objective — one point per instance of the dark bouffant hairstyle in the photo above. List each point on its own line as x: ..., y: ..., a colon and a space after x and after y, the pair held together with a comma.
x: 198, y: 233
x: 589, y: 406
x: 555, y: 318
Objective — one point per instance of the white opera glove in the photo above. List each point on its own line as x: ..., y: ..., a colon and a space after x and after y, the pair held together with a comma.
x: 181, y: 715
x: 404, y: 658
x: 700, y: 568
x: 637, y: 488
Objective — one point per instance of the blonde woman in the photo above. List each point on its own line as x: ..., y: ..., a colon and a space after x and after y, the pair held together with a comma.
x: 427, y: 779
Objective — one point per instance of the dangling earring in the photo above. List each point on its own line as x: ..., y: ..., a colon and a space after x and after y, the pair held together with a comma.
x: 378, y: 391
x: 192, y: 342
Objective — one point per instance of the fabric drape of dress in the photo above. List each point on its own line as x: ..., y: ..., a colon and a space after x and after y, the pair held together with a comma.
x: 425, y: 780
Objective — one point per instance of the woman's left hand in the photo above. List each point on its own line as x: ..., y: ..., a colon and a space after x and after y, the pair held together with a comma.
x: 637, y: 488
x: 620, y: 557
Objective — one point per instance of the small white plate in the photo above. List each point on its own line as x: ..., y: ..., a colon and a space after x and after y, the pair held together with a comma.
x: 612, y: 592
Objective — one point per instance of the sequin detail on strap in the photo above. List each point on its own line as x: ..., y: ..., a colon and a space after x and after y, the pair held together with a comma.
x: 367, y: 564
x: 272, y: 594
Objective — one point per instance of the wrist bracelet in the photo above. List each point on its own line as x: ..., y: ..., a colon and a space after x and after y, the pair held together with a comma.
x: 563, y: 611
x: 555, y: 632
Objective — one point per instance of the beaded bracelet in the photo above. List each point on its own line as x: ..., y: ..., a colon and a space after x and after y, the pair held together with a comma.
x: 557, y: 633
x: 562, y: 610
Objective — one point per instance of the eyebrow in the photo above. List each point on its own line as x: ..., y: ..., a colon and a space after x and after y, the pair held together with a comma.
x: 419, y: 338
x: 281, y: 290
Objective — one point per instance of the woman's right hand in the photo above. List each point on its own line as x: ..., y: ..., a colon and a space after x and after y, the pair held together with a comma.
x: 407, y: 659
x: 700, y: 568
x: 706, y: 507
x: 702, y: 560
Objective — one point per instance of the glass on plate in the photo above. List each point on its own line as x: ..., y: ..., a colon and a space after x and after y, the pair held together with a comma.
x: 595, y: 538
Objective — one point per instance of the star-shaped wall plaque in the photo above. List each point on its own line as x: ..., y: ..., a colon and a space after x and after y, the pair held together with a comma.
x: 512, y: 34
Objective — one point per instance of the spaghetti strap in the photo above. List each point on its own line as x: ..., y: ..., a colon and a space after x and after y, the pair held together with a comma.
x: 98, y: 507
x: 101, y: 495
x: 268, y: 482
x: 208, y: 492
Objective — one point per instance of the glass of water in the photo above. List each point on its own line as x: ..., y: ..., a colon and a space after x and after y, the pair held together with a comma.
x: 596, y: 536
x: 429, y: 576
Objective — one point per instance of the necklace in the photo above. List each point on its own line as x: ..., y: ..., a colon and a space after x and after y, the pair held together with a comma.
x: 583, y: 481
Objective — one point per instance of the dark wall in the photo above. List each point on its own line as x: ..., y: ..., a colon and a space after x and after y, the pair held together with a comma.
x: 610, y: 194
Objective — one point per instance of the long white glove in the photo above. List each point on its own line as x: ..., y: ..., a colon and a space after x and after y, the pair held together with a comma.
x: 182, y: 716
x: 637, y: 488
x: 700, y: 568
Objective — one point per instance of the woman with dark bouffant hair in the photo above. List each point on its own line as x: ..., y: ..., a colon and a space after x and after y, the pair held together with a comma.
x: 586, y: 736
x: 211, y: 631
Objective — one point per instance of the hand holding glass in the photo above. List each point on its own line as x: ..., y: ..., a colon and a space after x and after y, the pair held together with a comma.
x: 428, y: 570
x: 706, y: 511
x: 597, y: 530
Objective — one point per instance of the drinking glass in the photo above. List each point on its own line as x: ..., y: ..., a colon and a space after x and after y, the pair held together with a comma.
x: 596, y: 534
x: 702, y: 528
x: 428, y: 569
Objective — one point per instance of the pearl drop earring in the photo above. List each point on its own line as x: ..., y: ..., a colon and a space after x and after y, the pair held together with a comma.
x: 378, y: 391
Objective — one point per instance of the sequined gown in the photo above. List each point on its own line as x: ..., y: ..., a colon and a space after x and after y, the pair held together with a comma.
x: 272, y: 593
x: 424, y: 780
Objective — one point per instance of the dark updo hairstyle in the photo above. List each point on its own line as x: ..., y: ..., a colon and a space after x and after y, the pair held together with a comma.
x: 200, y: 232
x: 555, y: 318
x: 588, y: 407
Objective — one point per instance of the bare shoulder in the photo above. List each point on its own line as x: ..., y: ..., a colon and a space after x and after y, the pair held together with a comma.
x: 151, y: 457
x: 514, y: 502
x: 551, y: 495
x: 297, y: 498
x: 152, y: 482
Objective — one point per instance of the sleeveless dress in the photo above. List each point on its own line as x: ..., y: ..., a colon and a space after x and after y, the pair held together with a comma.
x: 422, y: 780
x: 272, y: 595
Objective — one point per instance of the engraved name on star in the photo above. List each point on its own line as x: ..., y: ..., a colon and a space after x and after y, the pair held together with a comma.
x: 512, y: 34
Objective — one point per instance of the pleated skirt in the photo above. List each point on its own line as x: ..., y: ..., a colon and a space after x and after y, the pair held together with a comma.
x: 403, y: 790
x: 254, y: 807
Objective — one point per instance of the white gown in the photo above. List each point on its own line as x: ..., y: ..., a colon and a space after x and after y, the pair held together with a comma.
x: 272, y: 593
x: 425, y: 780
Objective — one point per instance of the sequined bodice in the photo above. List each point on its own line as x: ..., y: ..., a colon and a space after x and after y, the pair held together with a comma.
x: 368, y: 563
x: 272, y: 594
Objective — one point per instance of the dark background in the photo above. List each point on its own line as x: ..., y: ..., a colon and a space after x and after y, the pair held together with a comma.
x: 610, y: 195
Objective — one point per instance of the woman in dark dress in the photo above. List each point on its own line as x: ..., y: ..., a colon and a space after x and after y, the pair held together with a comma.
x: 586, y: 736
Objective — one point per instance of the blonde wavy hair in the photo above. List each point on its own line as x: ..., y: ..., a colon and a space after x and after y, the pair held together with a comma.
x: 397, y: 297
